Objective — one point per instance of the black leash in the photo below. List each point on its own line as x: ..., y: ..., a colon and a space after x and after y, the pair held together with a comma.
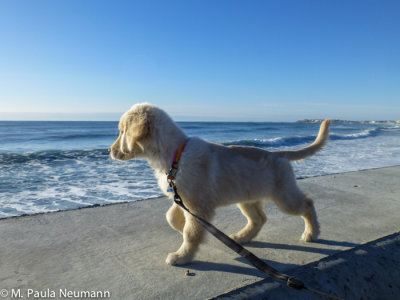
x: 290, y: 281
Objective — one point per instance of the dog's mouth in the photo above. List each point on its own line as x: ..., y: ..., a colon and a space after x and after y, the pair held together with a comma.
x: 116, y: 155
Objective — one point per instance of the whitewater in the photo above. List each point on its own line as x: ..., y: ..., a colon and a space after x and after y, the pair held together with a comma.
x: 51, y: 166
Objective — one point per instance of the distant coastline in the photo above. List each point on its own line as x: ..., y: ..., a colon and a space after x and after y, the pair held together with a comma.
x: 349, y: 122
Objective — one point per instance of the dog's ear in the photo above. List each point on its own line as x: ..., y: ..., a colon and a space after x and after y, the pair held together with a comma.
x: 138, y: 127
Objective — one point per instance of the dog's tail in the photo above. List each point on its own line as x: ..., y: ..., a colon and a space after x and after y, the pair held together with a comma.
x: 318, y: 144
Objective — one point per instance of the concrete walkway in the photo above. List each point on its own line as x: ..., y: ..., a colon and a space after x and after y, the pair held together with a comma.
x: 119, y: 250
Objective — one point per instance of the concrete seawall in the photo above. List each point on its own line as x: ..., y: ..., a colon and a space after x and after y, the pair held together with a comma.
x: 121, y: 248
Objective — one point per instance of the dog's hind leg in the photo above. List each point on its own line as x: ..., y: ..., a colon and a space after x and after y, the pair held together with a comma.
x: 309, y: 216
x: 296, y: 203
x: 256, y: 218
x: 193, y: 234
x: 176, y: 218
x: 289, y: 199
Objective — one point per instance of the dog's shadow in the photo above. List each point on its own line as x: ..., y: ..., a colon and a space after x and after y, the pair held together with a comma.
x: 249, y: 270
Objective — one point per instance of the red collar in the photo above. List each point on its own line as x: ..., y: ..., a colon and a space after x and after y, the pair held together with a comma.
x: 174, y: 167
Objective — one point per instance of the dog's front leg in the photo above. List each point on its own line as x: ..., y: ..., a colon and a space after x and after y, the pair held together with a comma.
x: 176, y: 218
x: 193, y: 234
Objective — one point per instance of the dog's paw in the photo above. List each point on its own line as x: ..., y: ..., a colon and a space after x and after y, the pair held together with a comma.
x: 174, y: 259
x: 239, y: 239
x: 309, y: 236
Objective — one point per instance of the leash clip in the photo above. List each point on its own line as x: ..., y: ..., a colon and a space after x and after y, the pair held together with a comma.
x: 172, y: 173
x: 173, y: 189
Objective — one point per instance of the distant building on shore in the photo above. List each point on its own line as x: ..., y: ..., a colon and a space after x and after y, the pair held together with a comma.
x: 349, y: 122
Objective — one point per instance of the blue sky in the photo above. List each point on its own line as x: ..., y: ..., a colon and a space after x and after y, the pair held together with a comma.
x: 200, y: 60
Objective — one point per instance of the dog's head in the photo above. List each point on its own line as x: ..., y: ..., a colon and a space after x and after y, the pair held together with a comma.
x: 134, y: 132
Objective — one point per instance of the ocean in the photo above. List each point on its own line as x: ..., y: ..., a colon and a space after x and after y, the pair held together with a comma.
x: 51, y: 166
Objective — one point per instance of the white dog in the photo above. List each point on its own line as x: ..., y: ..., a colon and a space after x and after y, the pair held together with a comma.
x: 212, y: 175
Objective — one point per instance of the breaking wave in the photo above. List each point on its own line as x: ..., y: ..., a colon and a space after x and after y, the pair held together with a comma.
x: 52, y: 155
x: 299, y: 140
